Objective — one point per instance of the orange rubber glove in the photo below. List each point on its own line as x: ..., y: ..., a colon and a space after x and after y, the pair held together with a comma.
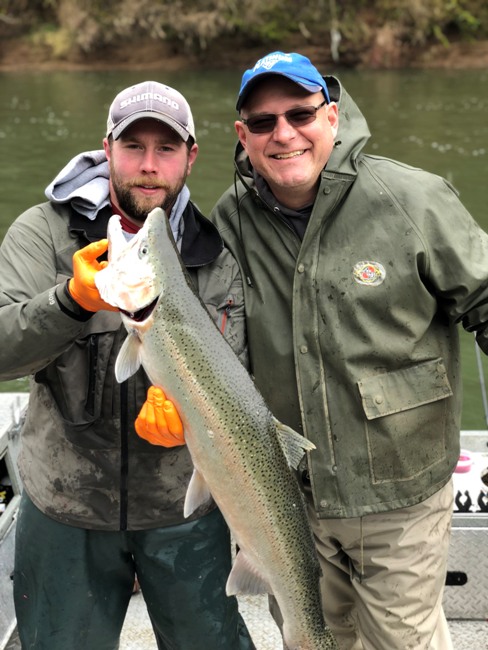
x: 158, y: 421
x: 82, y: 285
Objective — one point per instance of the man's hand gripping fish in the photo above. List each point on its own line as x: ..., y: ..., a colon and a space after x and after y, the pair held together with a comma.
x: 242, y: 455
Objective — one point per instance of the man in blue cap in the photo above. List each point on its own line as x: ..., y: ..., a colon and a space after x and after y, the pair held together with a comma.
x: 357, y: 269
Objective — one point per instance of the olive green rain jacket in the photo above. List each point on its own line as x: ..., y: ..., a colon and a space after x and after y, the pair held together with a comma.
x: 353, y: 332
x: 81, y: 461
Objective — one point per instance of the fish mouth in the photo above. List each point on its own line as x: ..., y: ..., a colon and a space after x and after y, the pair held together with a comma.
x: 141, y: 314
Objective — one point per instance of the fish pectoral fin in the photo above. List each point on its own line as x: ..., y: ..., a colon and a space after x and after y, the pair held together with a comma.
x: 245, y: 578
x: 293, y: 444
x: 128, y: 360
x: 197, y: 493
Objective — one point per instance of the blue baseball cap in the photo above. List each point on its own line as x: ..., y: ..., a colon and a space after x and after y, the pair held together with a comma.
x: 291, y: 65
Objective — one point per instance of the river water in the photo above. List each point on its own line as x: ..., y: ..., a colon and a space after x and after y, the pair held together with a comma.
x: 431, y: 119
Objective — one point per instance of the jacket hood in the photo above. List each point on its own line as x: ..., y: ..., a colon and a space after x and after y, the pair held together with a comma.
x: 352, y: 135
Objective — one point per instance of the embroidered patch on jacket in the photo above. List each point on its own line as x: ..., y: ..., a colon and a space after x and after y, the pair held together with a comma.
x: 371, y: 273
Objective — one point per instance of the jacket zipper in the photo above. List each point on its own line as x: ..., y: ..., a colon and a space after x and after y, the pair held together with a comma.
x: 226, y: 314
x: 93, y: 353
x: 124, y: 454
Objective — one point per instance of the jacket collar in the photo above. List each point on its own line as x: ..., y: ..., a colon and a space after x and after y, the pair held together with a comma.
x: 201, y: 244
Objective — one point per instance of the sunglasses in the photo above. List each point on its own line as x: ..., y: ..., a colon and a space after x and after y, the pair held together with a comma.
x: 266, y: 122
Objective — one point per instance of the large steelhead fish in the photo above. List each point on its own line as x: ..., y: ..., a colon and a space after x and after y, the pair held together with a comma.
x: 242, y: 455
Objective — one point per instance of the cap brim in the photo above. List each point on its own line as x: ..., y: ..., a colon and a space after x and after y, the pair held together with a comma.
x: 310, y: 88
x: 166, y: 119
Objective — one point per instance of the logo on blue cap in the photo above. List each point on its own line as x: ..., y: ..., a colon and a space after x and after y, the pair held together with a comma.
x: 296, y: 67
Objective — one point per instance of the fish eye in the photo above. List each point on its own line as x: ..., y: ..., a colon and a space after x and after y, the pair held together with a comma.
x: 143, y: 250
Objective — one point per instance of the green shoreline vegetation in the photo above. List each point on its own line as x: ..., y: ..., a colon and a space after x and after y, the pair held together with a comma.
x: 354, y: 33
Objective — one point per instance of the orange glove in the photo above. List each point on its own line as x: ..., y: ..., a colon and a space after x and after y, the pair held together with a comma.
x: 158, y: 421
x: 82, y: 285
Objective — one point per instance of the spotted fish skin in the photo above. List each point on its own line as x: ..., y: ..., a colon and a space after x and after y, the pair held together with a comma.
x: 243, y: 457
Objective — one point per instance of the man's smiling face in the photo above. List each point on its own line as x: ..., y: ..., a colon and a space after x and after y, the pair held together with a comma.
x: 289, y: 158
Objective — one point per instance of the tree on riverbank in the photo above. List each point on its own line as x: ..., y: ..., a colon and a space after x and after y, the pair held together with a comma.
x: 383, y: 33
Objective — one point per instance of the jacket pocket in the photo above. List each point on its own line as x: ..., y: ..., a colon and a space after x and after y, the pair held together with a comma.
x: 81, y: 382
x: 406, y: 413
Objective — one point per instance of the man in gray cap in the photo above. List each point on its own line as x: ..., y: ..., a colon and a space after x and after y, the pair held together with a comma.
x: 101, y: 503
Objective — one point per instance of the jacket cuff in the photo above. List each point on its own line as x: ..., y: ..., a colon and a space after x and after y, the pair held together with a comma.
x: 68, y: 305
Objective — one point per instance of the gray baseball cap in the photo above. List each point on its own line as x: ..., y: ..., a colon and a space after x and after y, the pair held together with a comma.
x: 154, y: 100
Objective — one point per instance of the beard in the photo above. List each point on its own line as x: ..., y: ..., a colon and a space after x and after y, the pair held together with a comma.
x: 139, y: 208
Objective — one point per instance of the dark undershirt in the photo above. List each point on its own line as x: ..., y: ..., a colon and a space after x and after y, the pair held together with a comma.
x: 297, y: 219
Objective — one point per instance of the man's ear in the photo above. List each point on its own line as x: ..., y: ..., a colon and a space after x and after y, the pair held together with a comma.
x: 241, y: 132
x: 333, y: 117
x: 192, y: 155
x: 106, y: 147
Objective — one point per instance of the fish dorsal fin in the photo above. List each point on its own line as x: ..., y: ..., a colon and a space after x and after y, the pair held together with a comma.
x: 128, y: 360
x: 197, y: 493
x: 245, y: 578
x: 293, y: 444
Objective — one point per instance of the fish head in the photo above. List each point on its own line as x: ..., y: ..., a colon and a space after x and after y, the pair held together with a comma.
x: 132, y: 280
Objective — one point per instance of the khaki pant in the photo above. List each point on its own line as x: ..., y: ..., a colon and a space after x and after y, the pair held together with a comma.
x: 384, y: 576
